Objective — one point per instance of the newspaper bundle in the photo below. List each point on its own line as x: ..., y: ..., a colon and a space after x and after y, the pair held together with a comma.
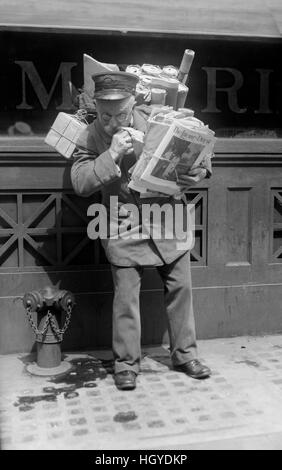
x: 174, y: 143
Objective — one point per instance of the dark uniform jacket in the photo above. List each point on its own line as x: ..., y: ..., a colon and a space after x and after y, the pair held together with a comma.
x: 95, y: 170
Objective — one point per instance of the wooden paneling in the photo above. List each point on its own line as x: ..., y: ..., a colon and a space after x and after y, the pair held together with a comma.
x: 238, y: 220
x: 236, y: 262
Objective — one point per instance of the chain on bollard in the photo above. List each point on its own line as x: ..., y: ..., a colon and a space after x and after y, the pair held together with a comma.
x: 36, y: 301
x: 49, y: 304
x: 32, y: 322
x: 66, y: 324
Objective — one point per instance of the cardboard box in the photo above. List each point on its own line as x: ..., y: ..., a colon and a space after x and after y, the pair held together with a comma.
x: 64, y: 134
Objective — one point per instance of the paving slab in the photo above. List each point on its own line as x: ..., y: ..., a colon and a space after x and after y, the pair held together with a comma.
x: 238, y: 407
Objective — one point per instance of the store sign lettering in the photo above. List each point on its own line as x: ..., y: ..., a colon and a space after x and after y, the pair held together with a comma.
x: 30, y: 73
x: 231, y: 91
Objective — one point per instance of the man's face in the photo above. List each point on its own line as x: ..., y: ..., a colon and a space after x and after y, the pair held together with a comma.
x: 113, y: 115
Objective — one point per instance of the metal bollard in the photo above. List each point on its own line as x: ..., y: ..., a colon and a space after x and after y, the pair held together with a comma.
x: 49, y: 304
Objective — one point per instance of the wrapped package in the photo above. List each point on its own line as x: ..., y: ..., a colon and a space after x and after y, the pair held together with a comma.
x: 169, y: 71
x: 151, y: 70
x: 64, y: 134
x: 143, y: 94
x: 185, y: 65
x: 135, y: 69
x: 92, y: 66
x: 158, y: 96
x: 170, y: 85
x: 181, y: 95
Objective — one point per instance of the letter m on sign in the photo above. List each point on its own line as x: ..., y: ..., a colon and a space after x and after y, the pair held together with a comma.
x: 29, y: 71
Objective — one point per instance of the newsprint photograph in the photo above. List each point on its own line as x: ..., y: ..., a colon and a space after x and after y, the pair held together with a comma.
x: 140, y: 228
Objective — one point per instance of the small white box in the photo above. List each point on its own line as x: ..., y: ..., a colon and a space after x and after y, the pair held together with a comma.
x: 64, y: 134
x: 52, y: 138
x: 63, y: 146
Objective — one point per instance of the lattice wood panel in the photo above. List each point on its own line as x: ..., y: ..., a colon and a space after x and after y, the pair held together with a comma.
x: 199, y: 252
x: 45, y: 229
x: 276, y: 240
x: 49, y: 229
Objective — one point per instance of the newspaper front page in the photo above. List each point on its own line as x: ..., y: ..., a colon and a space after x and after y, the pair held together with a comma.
x: 181, y: 146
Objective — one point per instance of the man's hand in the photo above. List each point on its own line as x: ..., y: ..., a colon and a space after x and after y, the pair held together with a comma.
x: 121, y: 145
x: 193, y: 177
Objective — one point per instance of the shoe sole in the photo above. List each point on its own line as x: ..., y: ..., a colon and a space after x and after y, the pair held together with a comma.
x: 125, y: 387
x: 204, y: 375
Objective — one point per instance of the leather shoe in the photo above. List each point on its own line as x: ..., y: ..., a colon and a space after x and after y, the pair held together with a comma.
x: 195, y: 369
x: 125, y: 380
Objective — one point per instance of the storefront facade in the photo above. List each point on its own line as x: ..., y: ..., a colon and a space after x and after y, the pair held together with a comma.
x: 235, y: 87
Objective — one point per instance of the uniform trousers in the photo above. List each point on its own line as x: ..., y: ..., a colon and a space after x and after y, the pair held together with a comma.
x: 176, y: 278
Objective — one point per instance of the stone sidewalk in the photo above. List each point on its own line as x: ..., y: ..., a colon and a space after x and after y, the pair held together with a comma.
x: 239, y: 407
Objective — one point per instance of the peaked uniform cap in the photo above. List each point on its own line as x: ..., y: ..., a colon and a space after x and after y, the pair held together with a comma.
x: 114, y: 85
